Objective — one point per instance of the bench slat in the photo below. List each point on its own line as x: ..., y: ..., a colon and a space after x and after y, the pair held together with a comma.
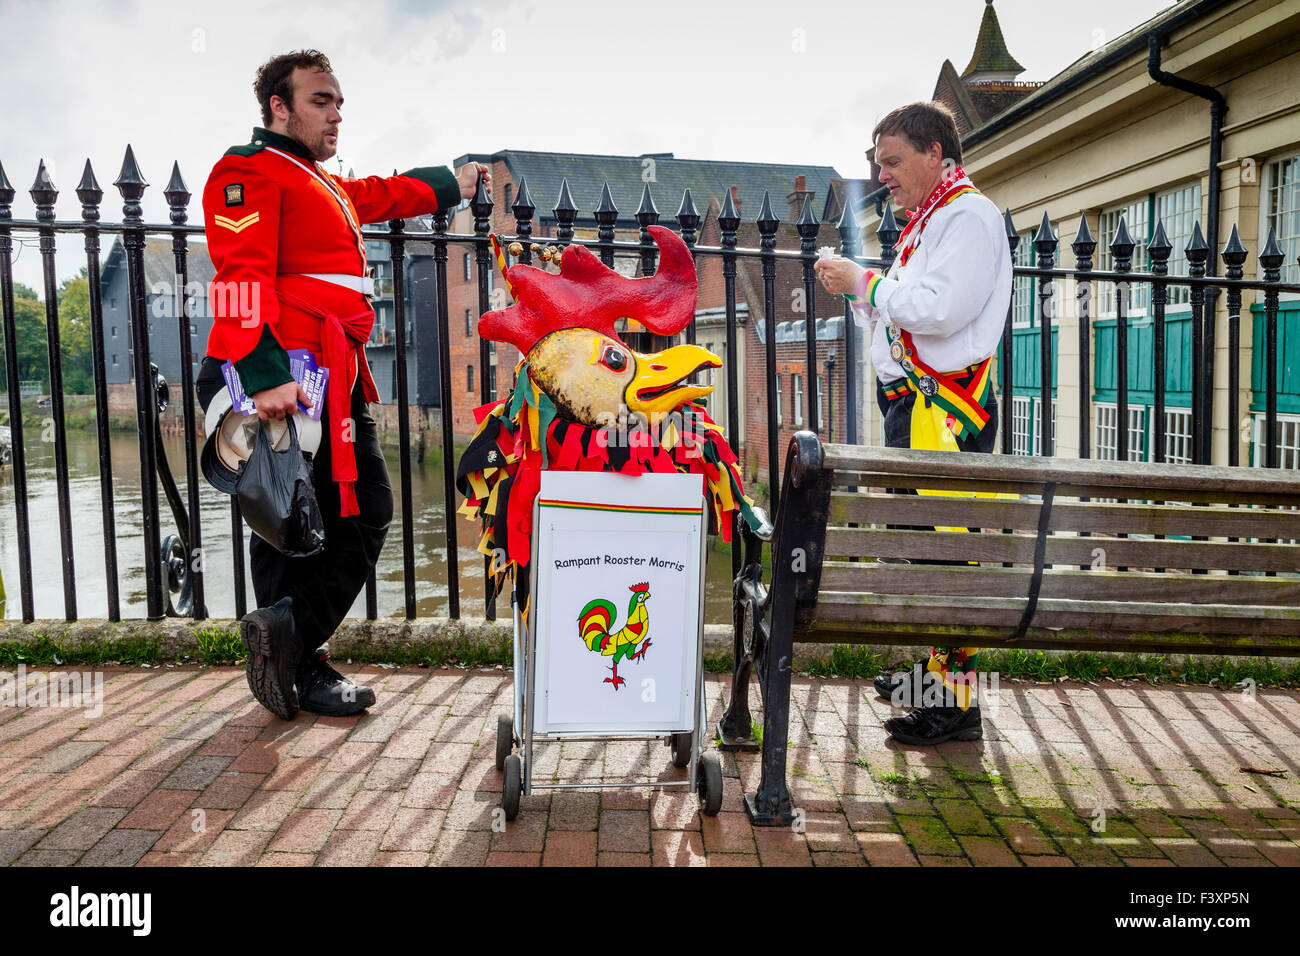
x: 1115, y: 475
x: 955, y: 618
x: 1019, y: 549
x: 1093, y: 516
x: 868, y: 576
x: 1208, y: 494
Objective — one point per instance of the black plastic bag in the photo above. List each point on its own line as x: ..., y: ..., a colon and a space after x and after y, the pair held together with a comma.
x: 278, y: 499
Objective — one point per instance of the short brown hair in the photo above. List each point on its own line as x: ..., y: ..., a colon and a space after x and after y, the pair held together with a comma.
x: 275, y: 77
x: 922, y: 124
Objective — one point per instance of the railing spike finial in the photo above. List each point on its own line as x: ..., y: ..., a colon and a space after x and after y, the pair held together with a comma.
x: 888, y: 232
x: 1234, y: 253
x: 44, y: 193
x: 1197, y: 242
x: 647, y: 206
x: 728, y: 216
x: 1271, y: 256
x: 1159, y: 248
x: 1084, y: 244
x: 6, y: 188
x: 177, y: 195
x: 688, y: 219
x: 1122, y: 246
x: 90, y: 194
x: 1008, y: 225
x: 808, y: 221
x: 606, y: 204
x: 565, y: 212
x: 1045, y: 239
x: 767, y: 220
x: 523, y: 207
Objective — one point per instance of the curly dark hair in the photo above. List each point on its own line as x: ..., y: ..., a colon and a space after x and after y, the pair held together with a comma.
x: 275, y: 77
x: 922, y: 124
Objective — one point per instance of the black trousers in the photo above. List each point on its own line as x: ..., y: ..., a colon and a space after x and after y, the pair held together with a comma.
x: 324, y: 586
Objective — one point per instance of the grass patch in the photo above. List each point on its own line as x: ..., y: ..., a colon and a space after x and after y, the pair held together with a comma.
x: 855, y: 661
x: 218, y: 645
x: 849, y: 661
x: 47, y: 652
x: 1148, y: 668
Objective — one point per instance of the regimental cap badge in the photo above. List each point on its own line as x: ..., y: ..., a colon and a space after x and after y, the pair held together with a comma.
x: 235, y: 194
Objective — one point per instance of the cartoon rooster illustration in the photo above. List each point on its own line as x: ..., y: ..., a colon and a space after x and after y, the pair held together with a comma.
x: 593, y: 628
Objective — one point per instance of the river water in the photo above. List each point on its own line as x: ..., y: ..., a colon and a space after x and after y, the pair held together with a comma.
x: 88, y: 538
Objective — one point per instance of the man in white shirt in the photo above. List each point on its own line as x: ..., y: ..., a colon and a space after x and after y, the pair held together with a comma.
x: 936, y: 319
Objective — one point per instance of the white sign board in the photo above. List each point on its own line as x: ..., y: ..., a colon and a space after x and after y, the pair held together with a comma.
x: 616, y: 605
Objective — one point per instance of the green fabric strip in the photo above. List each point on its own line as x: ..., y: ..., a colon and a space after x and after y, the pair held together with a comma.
x: 442, y: 181
x: 265, y: 367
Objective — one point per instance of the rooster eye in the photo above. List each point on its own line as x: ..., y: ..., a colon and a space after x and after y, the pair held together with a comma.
x: 614, y: 359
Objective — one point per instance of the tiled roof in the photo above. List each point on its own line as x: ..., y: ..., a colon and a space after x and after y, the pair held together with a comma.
x: 160, y: 263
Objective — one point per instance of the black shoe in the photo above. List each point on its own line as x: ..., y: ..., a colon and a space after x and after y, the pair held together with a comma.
x: 902, y: 687
x: 934, y: 725
x: 323, y: 690
x: 273, y: 653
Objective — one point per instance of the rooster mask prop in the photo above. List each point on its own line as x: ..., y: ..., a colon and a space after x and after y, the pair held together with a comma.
x: 583, y: 400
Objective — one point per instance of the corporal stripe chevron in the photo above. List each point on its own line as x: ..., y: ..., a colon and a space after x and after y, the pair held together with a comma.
x: 237, y: 225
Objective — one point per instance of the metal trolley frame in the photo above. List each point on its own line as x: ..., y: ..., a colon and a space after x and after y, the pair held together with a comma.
x: 516, y: 730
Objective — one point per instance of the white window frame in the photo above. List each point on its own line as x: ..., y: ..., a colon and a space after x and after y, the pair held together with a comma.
x: 821, y: 404
x: 796, y: 390
x: 1135, y: 216
x: 780, y: 418
x: 1178, y: 208
x: 1104, y: 431
x: 1289, y: 440
x: 1286, y: 219
x: 1178, y: 434
x: 1022, y: 423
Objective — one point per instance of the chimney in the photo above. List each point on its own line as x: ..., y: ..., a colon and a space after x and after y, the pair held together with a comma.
x: 796, y: 198
x: 735, y: 197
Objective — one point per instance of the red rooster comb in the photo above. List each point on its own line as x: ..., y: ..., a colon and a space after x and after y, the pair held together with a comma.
x: 587, y: 294
x: 645, y: 586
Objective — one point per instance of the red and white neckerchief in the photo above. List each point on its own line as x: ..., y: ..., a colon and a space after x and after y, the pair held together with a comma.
x: 953, y: 184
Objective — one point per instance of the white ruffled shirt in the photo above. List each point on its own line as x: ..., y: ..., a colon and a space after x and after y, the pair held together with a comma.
x: 952, y: 295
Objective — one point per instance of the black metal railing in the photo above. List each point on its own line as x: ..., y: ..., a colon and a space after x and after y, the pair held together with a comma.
x: 177, y: 565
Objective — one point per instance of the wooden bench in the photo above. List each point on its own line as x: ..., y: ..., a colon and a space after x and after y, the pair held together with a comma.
x: 1095, y: 555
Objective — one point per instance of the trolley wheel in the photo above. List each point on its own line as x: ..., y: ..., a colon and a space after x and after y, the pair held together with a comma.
x: 512, y: 785
x: 708, y: 783
x: 505, y: 738
x: 681, y: 746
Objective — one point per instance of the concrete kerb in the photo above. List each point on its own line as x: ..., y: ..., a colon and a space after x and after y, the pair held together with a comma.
x: 177, y: 638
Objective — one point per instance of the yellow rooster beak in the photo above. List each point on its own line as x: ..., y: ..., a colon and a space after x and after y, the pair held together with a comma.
x: 660, y: 382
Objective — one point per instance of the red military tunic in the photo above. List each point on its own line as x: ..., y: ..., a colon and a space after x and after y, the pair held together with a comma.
x: 272, y: 215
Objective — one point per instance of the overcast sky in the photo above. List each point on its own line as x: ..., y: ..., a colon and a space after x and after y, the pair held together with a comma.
x: 426, y: 81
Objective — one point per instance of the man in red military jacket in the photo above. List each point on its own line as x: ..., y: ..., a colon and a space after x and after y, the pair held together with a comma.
x: 285, y: 237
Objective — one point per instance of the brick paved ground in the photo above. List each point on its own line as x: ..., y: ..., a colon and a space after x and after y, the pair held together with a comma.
x: 413, y: 783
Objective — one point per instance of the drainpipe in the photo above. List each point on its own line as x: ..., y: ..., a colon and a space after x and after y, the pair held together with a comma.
x: 1218, y: 107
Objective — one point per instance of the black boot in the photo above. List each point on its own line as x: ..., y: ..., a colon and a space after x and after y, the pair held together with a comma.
x: 902, y: 688
x: 934, y: 725
x: 323, y: 690
x: 273, y: 654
